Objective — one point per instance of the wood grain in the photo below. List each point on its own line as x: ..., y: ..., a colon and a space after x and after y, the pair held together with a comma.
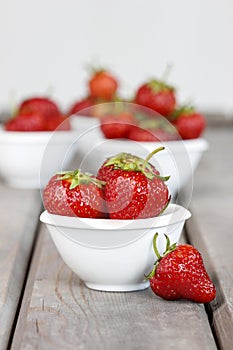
x: 19, y: 217
x: 63, y: 314
x: 210, y: 228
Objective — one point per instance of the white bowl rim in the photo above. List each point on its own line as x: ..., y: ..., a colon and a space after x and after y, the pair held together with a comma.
x: 34, y: 136
x: 173, y: 214
x: 196, y: 145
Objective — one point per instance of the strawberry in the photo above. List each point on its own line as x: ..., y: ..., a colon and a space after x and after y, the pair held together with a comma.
x: 153, y: 129
x: 73, y: 193
x: 82, y: 105
x: 180, y: 274
x: 134, y: 188
x: 188, y: 122
x: 40, y: 104
x: 158, y: 96
x: 46, y: 107
x: 103, y: 85
x: 117, y: 125
x: 33, y: 121
x: 60, y: 123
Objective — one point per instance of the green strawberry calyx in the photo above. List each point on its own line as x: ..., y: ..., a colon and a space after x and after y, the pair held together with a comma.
x: 129, y: 162
x: 169, y: 248
x: 155, y: 124
x: 76, y: 178
x: 159, y: 86
x: 182, y: 110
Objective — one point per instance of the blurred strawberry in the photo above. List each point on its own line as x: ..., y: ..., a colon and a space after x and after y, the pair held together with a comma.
x: 40, y: 104
x: 44, y: 106
x: 60, y: 123
x: 157, y: 95
x: 156, y: 129
x: 82, y: 105
x: 189, y: 123
x: 103, y: 85
x: 33, y: 121
x: 117, y: 125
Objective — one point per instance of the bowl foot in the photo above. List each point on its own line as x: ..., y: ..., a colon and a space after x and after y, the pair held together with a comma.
x: 119, y: 288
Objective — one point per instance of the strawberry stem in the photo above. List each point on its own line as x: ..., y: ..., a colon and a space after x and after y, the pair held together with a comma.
x: 167, y: 243
x: 167, y: 72
x: 145, y: 163
x: 169, y: 249
x: 150, y: 156
x: 155, y: 246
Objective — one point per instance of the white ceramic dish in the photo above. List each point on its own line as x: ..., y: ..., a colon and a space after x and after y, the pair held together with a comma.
x: 82, y: 123
x: 113, y: 255
x: 29, y: 159
x: 179, y: 159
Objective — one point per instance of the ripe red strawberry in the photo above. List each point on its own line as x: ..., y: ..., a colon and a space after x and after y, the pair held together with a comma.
x: 74, y: 193
x: 189, y: 123
x: 117, y: 125
x: 158, y: 96
x: 33, y: 121
x: 153, y: 129
x: 60, y: 123
x: 82, y: 105
x: 103, y: 85
x: 180, y: 274
x: 46, y: 107
x: 134, y: 188
x: 40, y: 104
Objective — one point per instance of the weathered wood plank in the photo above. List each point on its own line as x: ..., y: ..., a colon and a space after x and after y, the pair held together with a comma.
x: 19, y: 217
x: 210, y: 228
x: 59, y: 312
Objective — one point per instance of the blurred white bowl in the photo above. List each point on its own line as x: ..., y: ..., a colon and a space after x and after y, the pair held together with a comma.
x: 179, y: 159
x: 113, y: 255
x: 82, y: 123
x: 29, y: 159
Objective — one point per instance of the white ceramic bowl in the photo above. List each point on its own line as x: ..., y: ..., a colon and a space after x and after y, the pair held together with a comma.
x: 179, y: 159
x: 82, y: 123
x: 113, y: 255
x: 29, y: 159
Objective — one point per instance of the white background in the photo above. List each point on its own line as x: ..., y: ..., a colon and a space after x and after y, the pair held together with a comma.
x: 46, y: 44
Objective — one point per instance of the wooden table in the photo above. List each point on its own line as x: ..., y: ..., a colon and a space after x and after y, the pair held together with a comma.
x: 43, y: 305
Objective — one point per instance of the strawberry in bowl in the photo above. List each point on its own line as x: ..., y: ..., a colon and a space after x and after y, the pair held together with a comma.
x: 158, y: 96
x: 37, y: 114
x: 102, y: 85
x: 189, y: 123
x: 74, y: 193
x: 37, y: 132
x: 134, y: 187
x: 111, y: 252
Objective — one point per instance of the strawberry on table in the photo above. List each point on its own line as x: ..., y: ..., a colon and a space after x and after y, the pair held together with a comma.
x: 180, y: 274
x: 134, y: 187
x: 74, y: 193
x: 157, y: 95
x: 103, y: 85
x: 33, y: 121
x: 189, y: 123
